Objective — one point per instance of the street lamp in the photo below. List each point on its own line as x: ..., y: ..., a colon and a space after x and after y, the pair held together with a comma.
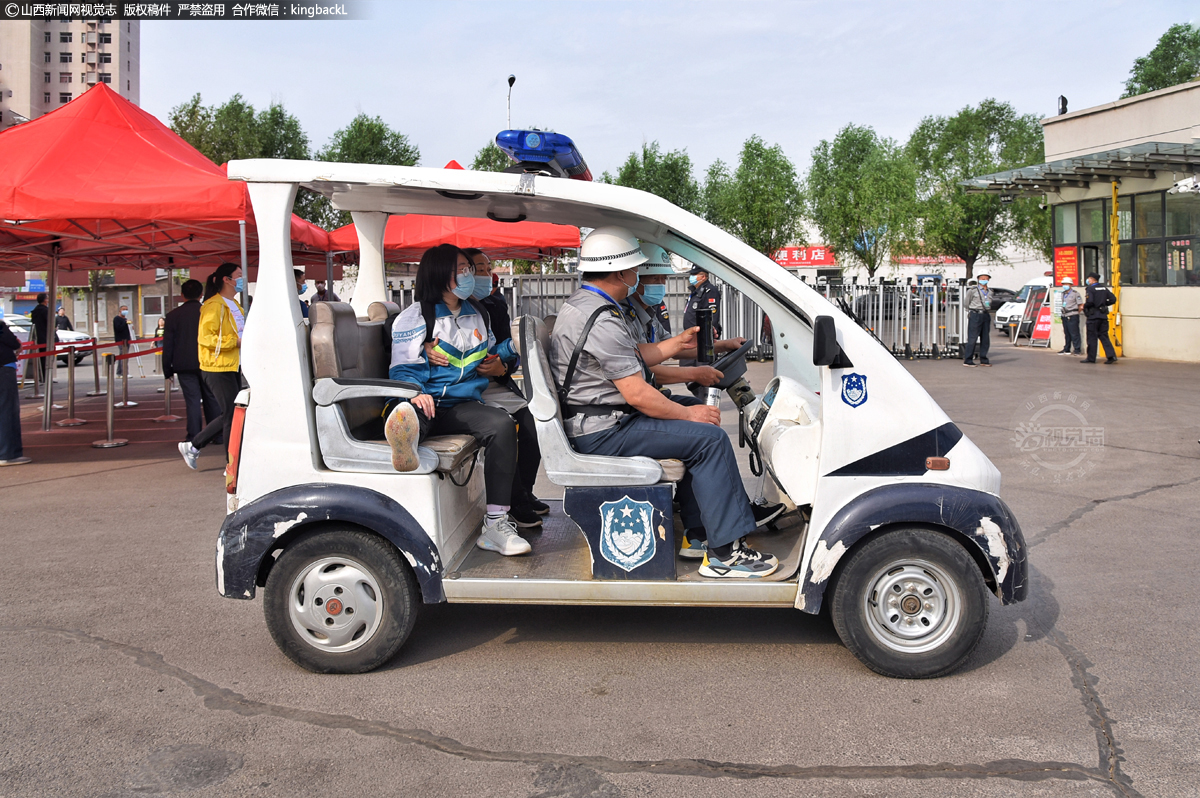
x: 511, y: 80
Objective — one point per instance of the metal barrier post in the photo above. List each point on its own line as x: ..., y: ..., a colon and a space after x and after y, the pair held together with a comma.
x: 168, y: 386
x: 70, y: 420
x: 125, y: 387
x: 110, y: 442
x: 35, y: 363
x: 51, y: 363
x: 95, y: 370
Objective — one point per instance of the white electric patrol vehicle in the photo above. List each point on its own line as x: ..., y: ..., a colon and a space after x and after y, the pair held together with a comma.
x: 895, y: 522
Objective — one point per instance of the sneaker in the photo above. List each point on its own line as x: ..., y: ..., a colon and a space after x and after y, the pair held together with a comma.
x: 539, y: 506
x: 693, y: 548
x: 1066, y: 352
x: 525, y: 517
x: 743, y: 563
x: 969, y: 365
x: 986, y: 365
x: 501, y: 536
x: 402, y: 431
x: 189, y: 453
x: 766, y: 513
x: 16, y: 461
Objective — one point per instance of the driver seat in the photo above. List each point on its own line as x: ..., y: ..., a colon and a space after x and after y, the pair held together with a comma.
x: 565, y: 466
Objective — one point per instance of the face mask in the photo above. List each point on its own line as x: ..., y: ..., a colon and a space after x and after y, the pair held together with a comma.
x: 464, y: 285
x: 239, y: 284
x: 483, y: 287
x: 983, y: 282
x: 693, y: 279
x: 655, y: 294
x: 303, y: 290
x: 633, y: 288
x: 125, y: 313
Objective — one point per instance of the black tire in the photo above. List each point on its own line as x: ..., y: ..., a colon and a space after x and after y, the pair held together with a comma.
x: 936, y: 605
x: 366, y: 575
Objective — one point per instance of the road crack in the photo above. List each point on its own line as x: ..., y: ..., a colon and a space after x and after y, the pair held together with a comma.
x: 215, y: 697
x: 1080, y: 512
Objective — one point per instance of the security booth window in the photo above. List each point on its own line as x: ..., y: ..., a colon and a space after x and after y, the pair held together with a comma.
x: 1148, y: 216
x: 1183, y: 239
x: 1150, y: 264
x: 1065, y: 227
x: 1093, y: 224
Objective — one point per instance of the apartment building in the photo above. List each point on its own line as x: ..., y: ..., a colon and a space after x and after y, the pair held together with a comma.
x: 47, y: 63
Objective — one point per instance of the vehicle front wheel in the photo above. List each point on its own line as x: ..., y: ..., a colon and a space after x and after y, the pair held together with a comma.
x: 910, y: 604
x: 340, y: 601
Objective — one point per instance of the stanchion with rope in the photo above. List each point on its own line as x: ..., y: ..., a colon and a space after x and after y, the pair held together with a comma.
x: 95, y: 371
x: 110, y: 366
x: 70, y: 420
x: 133, y: 352
x: 167, y: 416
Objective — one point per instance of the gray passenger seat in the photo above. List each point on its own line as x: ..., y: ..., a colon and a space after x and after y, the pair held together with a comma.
x: 350, y: 361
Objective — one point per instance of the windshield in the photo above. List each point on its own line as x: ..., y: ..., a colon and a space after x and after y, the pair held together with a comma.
x: 1024, y: 295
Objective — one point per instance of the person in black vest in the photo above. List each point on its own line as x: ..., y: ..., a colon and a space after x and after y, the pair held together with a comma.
x: 40, y: 317
x: 11, y: 452
x: 180, y: 359
x: 61, y: 322
x: 1095, y: 308
x: 121, y: 335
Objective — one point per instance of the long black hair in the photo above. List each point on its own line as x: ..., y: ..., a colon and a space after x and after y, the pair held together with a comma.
x: 215, y: 280
x: 436, y: 272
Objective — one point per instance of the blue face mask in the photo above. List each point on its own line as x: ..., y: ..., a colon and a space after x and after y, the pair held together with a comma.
x: 464, y: 285
x: 693, y: 279
x: 239, y: 284
x: 654, y: 294
x: 303, y: 289
x: 483, y: 287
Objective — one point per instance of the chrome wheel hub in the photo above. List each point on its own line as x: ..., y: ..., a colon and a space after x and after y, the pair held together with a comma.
x: 913, y: 606
x: 335, y: 604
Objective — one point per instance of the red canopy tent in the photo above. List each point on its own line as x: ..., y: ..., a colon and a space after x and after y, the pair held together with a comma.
x: 406, y: 237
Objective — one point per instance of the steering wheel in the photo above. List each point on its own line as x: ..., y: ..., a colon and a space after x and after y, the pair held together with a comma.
x: 732, y: 365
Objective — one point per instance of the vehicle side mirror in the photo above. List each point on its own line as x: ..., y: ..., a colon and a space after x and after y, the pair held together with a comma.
x: 825, y: 345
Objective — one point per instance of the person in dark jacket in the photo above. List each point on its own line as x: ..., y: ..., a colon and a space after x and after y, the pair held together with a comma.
x: 1095, y: 308
x: 121, y: 335
x: 61, y: 322
x: 40, y: 317
x: 181, y: 360
x: 11, y: 452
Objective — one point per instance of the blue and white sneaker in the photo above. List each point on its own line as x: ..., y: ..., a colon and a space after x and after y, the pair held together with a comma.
x: 693, y: 548
x: 743, y: 563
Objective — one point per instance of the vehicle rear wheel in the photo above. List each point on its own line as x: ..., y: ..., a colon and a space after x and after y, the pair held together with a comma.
x: 340, y: 601
x: 910, y: 604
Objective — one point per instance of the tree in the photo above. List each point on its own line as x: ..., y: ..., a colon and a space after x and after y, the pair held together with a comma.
x: 234, y: 130
x: 280, y: 135
x: 861, y: 195
x: 667, y: 175
x: 989, y: 138
x: 192, y: 120
x: 367, y: 139
x: 760, y: 202
x: 1174, y: 60
x: 491, y: 158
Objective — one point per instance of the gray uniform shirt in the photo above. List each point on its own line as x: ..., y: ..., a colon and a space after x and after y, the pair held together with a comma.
x: 609, y: 353
x: 979, y: 298
x: 1071, y: 302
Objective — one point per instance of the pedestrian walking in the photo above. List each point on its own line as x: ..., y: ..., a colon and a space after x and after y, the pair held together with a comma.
x: 181, y: 360
x: 11, y: 453
x: 1071, y: 305
x: 121, y: 335
x: 61, y: 322
x: 979, y: 321
x: 1095, y: 307
x: 219, y: 349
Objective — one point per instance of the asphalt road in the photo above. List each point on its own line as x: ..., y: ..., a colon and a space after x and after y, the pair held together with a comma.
x: 124, y: 673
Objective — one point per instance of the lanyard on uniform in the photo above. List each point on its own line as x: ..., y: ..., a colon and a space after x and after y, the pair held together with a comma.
x: 595, y: 290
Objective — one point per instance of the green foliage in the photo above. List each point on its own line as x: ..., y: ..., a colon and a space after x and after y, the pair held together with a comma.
x: 367, y: 139
x: 862, y: 196
x: 989, y: 138
x: 760, y: 202
x: 235, y: 130
x: 280, y: 135
x: 667, y: 175
x: 491, y: 159
x: 1174, y: 60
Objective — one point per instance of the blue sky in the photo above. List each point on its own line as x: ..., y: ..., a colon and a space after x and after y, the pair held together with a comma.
x: 697, y: 75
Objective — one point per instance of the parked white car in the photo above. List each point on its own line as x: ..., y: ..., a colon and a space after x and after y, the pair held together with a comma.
x: 22, y: 327
x: 1011, y: 312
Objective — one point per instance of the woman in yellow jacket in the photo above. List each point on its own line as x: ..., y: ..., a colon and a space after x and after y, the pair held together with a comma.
x: 219, y: 341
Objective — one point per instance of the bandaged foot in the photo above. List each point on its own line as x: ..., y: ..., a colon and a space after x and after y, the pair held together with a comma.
x: 402, y: 431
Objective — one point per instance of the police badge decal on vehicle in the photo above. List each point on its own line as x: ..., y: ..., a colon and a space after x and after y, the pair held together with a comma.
x: 627, y: 533
x: 854, y: 389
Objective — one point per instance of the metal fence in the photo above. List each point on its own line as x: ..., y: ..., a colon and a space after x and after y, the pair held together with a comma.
x: 911, y: 320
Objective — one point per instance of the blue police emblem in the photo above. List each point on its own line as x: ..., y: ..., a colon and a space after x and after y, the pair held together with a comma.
x: 627, y: 533
x: 854, y: 389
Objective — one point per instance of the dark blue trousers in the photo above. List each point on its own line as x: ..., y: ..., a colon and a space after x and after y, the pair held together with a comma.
x: 710, y: 494
x: 10, y: 415
x: 202, y: 406
x: 1071, y: 333
x: 979, y: 325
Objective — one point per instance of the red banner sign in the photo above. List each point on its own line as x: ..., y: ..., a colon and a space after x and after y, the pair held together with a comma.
x: 805, y: 256
x: 1041, y: 328
x: 1066, y: 264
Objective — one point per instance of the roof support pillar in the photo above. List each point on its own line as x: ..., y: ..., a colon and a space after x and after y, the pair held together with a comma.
x: 371, y: 285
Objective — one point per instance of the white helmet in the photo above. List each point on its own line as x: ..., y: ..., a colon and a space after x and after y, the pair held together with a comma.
x: 658, y: 261
x: 610, y: 249
x: 1068, y: 281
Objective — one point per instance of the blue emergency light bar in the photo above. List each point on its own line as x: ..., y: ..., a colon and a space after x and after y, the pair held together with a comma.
x: 543, y: 151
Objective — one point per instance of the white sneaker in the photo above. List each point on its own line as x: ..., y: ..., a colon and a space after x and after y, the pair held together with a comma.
x: 403, y: 430
x: 189, y: 454
x: 501, y: 536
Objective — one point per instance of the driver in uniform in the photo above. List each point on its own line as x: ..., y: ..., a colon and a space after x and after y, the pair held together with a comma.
x: 611, y: 409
